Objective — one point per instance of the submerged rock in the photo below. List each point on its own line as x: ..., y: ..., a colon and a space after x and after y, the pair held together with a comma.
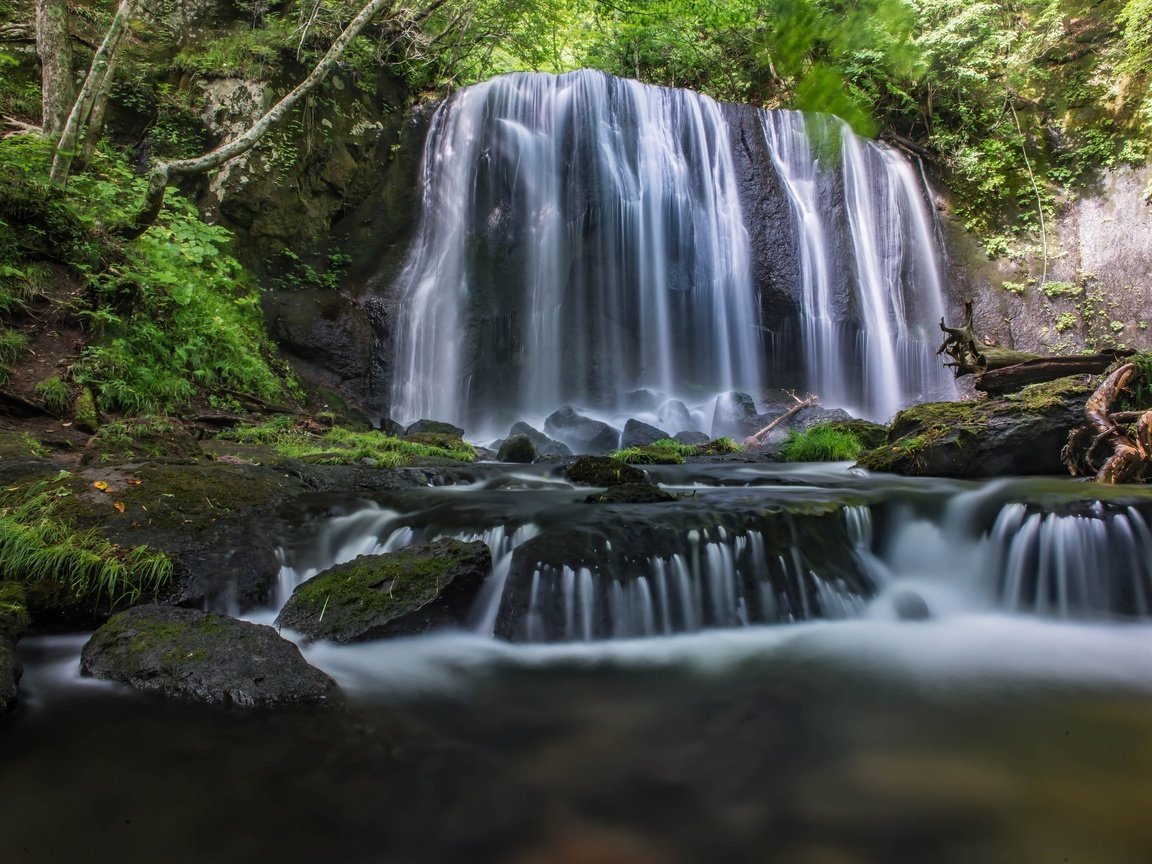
x: 517, y: 448
x: 203, y: 656
x: 395, y: 594
x: 581, y: 433
x: 603, y: 471
x: 638, y: 434
x: 10, y: 672
x: 1020, y: 434
x: 630, y: 493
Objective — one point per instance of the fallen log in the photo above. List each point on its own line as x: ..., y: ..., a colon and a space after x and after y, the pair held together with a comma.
x: 757, y: 439
x: 1009, y: 379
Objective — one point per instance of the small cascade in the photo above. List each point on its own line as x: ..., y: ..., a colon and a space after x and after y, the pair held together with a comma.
x: 717, y: 579
x: 870, y: 279
x: 1092, y: 565
x: 581, y: 237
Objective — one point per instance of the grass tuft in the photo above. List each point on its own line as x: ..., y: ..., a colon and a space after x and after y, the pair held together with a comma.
x: 822, y: 442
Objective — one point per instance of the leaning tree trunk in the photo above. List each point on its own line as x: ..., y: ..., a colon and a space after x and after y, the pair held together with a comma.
x: 163, y: 172
x: 93, y: 89
x: 57, y: 90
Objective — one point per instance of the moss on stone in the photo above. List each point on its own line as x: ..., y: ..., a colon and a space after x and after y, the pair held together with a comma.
x: 84, y: 413
x: 603, y: 471
x: 363, y: 598
x: 13, y: 611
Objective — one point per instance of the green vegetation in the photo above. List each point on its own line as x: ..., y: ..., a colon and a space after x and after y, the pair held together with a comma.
x: 55, y: 394
x: 822, y: 442
x: 171, y: 316
x: 36, y: 546
x: 669, y: 452
x: 342, y: 446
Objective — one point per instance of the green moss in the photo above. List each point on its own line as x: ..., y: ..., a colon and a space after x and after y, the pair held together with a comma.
x: 84, y: 412
x: 662, y: 452
x: 13, y: 610
x: 343, y: 446
x: 1058, y: 290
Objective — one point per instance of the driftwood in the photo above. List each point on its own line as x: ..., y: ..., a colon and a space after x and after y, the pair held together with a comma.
x: 1008, y: 379
x: 1109, y: 447
x: 971, y: 355
x: 1002, y: 370
x: 758, y: 438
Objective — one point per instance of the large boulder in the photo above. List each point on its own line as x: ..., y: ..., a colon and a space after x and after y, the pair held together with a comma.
x: 642, y: 400
x: 638, y: 434
x: 434, y: 427
x: 10, y: 671
x: 690, y: 437
x: 395, y: 594
x: 674, y: 414
x: 734, y: 415
x: 582, y: 434
x: 1020, y: 434
x: 203, y: 656
x: 544, y: 445
x: 517, y: 448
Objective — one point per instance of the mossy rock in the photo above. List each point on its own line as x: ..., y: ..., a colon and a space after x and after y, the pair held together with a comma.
x: 603, y: 471
x: 204, y: 657
x: 14, y: 619
x: 631, y: 493
x: 447, y: 442
x: 84, y: 412
x: 517, y: 448
x: 1015, y: 435
x: 140, y: 438
x: 398, y: 593
x: 10, y: 672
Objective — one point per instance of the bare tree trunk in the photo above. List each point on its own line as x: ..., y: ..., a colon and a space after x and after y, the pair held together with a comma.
x: 163, y: 172
x: 57, y: 89
x: 94, y: 128
x: 95, y: 84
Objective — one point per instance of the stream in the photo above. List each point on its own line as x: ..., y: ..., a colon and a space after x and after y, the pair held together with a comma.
x: 979, y: 691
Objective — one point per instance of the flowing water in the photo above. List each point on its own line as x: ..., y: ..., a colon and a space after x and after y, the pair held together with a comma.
x: 585, y: 236
x: 970, y: 681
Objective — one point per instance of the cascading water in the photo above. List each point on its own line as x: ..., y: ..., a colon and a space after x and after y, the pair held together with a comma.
x: 581, y: 237
x: 870, y: 278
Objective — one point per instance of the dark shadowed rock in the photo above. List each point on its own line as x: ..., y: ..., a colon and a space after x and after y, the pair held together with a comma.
x: 434, y: 427
x: 399, y: 593
x: 10, y: 671
x: 203, y: 656
x: 693, y: 438
x: 390, y: 427
x: 630, y: 493
x: 518, y: 448
x: 1014, y: 435
x: 734, y: 416
x: 13, y: 611
x: 603, y: 471
x: 544, y: 445
x: 582, y: 434
x: 638, y: 434
x: 910, y: 606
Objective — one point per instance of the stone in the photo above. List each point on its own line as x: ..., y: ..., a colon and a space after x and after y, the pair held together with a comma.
x: 204, y: 657
x: 1015, y: 435
x: 603, y: 471
x: 674, y: 414
x: 642, y: 400
x: 10, y: 672
x: 13, y: 611
x: 690, y: 437
x: 638, y: 434
x: 517, y: 448
x: 390, y: 427
x: 630, y: 493
x: 910, y: 606
x: 734, y: 416
x: 434, y: 427
x: 544, y: 445
x: 582, y: 434
x: 395, y: 594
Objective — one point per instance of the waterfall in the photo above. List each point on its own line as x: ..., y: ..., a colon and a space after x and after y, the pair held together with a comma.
x: 581, y: 237
x: 871, y: 286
